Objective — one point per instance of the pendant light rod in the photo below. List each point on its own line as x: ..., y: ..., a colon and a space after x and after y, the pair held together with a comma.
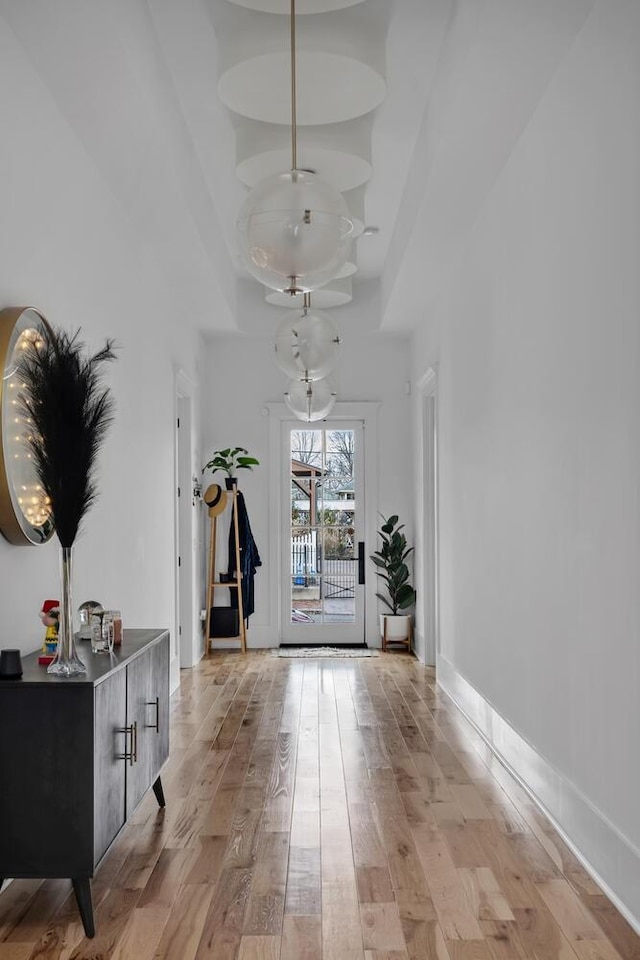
x: 294, y: 122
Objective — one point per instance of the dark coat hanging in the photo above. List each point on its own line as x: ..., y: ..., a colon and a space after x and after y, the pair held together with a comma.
x: 249, y: 559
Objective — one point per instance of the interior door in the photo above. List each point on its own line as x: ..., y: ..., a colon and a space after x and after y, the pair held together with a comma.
x: 323, y: 546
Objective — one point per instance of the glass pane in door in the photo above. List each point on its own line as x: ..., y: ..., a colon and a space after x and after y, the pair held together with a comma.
x: 322, y: 529
x: 339, y: 573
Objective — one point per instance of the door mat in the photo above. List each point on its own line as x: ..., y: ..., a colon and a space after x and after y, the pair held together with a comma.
x: 312, y: 653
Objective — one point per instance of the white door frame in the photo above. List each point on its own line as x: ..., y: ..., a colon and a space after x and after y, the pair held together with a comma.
x: 368, y: 413
x: 428, y: 608
x: 185, y: 648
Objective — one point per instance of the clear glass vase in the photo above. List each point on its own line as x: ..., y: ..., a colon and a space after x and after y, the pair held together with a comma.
x: 67, y: 663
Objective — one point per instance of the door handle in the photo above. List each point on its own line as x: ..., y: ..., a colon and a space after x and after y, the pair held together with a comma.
x: 360, y: 562
x: 132, y: 753
x: 154, y: 726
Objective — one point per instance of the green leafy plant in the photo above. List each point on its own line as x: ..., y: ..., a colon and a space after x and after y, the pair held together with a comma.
x: 230, y: 460
x: 391, y: 566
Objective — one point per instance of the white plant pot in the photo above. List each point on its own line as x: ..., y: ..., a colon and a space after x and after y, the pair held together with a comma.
x: 398, y: 627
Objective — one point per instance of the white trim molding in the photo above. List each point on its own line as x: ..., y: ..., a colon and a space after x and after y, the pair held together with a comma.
x: 186, y: 650
x: 428, y: 383
x: 427, y: 637
x: 609, y: 856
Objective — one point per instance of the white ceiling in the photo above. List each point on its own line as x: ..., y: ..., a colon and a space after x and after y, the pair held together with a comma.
x: 138, y: 83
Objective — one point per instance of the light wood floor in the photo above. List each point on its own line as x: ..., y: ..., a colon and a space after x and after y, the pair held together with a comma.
x: 336, y: 809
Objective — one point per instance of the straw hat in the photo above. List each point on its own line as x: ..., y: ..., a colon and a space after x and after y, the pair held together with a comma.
x: 216, y: 499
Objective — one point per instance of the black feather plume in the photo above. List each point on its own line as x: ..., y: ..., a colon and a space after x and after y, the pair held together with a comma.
x: 70, y: 413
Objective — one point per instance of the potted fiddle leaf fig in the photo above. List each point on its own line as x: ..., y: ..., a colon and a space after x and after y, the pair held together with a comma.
x: 391, y: 567
x: 230, y: 460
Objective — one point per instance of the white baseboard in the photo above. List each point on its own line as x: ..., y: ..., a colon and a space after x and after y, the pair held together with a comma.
x: 609, y: 856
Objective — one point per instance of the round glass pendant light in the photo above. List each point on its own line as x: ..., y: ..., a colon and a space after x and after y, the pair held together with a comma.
x: 293, y: 228
x: 306, y: 344
x: 310, y: 401
x: 294, y: 232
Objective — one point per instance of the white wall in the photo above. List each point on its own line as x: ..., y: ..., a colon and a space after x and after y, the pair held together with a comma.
x: 242, y: 377
x: 537, y: 341
x: 68, y: 248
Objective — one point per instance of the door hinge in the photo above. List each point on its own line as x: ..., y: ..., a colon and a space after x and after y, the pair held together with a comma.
x: 179, y: 561
x: 178, y: 491
x: 178, y: 423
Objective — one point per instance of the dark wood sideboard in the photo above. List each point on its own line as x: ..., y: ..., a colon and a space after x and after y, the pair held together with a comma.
x: 76, y: 757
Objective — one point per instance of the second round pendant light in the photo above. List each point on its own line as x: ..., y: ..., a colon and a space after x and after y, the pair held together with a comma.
x: 306, y: 343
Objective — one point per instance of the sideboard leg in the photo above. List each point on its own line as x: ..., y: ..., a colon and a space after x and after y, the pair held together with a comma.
x: 159, y: 792
x: 82, y: 890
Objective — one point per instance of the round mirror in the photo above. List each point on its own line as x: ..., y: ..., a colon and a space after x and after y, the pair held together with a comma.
x: 25, y: 512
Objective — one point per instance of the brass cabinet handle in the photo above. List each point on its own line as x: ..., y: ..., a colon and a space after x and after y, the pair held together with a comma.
x: 154, y: 726
x: 134, y: 742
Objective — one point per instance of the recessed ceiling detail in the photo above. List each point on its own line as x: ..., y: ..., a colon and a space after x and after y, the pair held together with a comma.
x: 331, y: 88
x: 355, y: 203
x: 342, y: 170
x: 339, y: 153
x: 350, y: 266
x: 336, y: 293
x: 302, y: 6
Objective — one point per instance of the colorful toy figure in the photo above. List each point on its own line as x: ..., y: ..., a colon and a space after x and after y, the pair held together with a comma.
x: 50, y: 616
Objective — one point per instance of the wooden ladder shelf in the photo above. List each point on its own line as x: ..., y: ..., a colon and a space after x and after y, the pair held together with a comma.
x: 213, y: 583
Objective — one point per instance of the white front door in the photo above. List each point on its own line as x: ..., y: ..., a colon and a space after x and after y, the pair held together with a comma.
x: 323, y: 541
